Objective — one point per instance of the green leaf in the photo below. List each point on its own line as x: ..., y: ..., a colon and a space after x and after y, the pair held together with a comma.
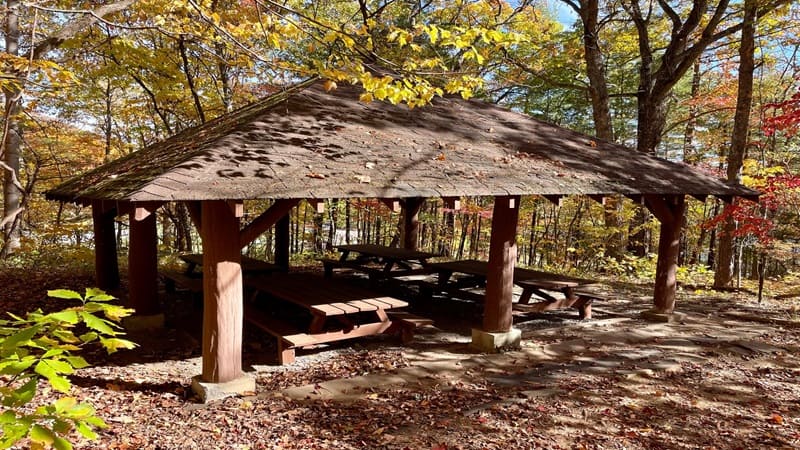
x: 21, y: 337
x: 58, y: 382
x: 96, y: 422
x: 91, y: 293
x: 62, y: 426
x: 81, y: 411
x: 64, y: 404
x: 77, y: 362
x: 86, y: 431
x: 42, y: 435
x: 65, y: 293
x: 52, y: 352
x: 22, y: 395
x: 69, y: 316
x: 8, y: 417
x: 114, y: 344
x: 60, y: 443
x: 66, y: 336
x: 88, y: 337
x: 97, y: 324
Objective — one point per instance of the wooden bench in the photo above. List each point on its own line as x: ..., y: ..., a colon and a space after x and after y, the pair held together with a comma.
x: 329, y: 264
x: 584, y: 302
x: 289, y: 338
x: 407, y: 323
x: 173, y: 278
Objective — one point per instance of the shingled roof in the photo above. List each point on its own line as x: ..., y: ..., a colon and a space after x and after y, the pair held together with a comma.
x: 309, y: 143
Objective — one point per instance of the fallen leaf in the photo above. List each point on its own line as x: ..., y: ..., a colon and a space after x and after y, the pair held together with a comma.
x: 315, y: 175
x: 776, y: 419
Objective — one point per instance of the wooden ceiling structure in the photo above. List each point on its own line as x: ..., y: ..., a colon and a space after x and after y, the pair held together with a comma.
x: 307, y: 143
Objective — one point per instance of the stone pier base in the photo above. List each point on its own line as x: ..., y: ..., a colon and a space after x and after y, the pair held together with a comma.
x: 493, y: 342
x: 209, y: 392
x: 653, y: 315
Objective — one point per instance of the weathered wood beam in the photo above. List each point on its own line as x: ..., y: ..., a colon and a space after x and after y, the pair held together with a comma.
x: 601, y: 199
x: 393, y: 204
x: 497, y: 315
x: 452, y: 202
x: 267, y: 219
x: 317, y: 204
x: 669, y: 210
x: 138, y: 210
x: 635, y: 198
x: 222, y: 293
x: 106, y: 267
x: 237, y: 207
x: 555, y: 199
x: 411, y: 207
x: 700, y: 197
x: 143, y: 265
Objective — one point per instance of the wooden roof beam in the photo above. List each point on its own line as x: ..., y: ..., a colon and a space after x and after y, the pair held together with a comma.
x: 599, y: 198
x: 452, y: 202
x: 267, y: 219
x: 317, y: 204
x: 557, y: 200
x: 392, y: 203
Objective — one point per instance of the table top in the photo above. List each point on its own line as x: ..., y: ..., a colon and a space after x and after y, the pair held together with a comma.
x: 324, y: 296
x: 401, y: 254
x: 522, y: 277
x: 248, y: 264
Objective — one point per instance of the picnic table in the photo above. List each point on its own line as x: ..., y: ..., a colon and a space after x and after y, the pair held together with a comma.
x: 378, y: 261
x: 531, y: 281
x: 192, y: 279
x: 250, y: 266
x: 339, y: 310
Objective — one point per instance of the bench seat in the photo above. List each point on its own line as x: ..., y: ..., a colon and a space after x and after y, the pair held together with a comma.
x: 174, y: 278
x: 407, y: 323
x: 288, y: 336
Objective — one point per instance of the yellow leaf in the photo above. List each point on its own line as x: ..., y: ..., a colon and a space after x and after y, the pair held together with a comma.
x: 366, y: 97
x: 329, y: 85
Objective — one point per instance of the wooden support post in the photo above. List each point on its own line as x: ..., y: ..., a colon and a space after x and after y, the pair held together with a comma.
x: 222, y: 293
x: 282, y: 242
x: 143, y: 263
x: 106, y: 267
x: 500, y: 273
x: 669, y: 211
x: 194, y: 214
x: 411, y: 207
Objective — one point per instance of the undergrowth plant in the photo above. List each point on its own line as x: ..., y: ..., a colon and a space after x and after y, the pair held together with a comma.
x: 45, y: 346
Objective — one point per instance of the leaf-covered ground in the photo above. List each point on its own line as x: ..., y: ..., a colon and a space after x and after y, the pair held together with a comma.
x: 727, y: 378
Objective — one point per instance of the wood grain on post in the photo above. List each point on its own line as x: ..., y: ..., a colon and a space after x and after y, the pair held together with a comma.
x: 502, y: 257
x: 143, y: 263
x: 669, y: 211
x: 106, y: 267
x: 222, y: 293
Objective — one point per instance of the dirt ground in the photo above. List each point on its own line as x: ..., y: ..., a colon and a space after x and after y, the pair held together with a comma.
x: 725, y: 378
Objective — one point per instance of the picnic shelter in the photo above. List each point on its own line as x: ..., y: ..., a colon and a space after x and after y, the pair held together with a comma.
x: 306, y: 143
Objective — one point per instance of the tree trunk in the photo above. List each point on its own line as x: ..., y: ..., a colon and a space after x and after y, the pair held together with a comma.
x: 723, y: 274
x: 12, y: 139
